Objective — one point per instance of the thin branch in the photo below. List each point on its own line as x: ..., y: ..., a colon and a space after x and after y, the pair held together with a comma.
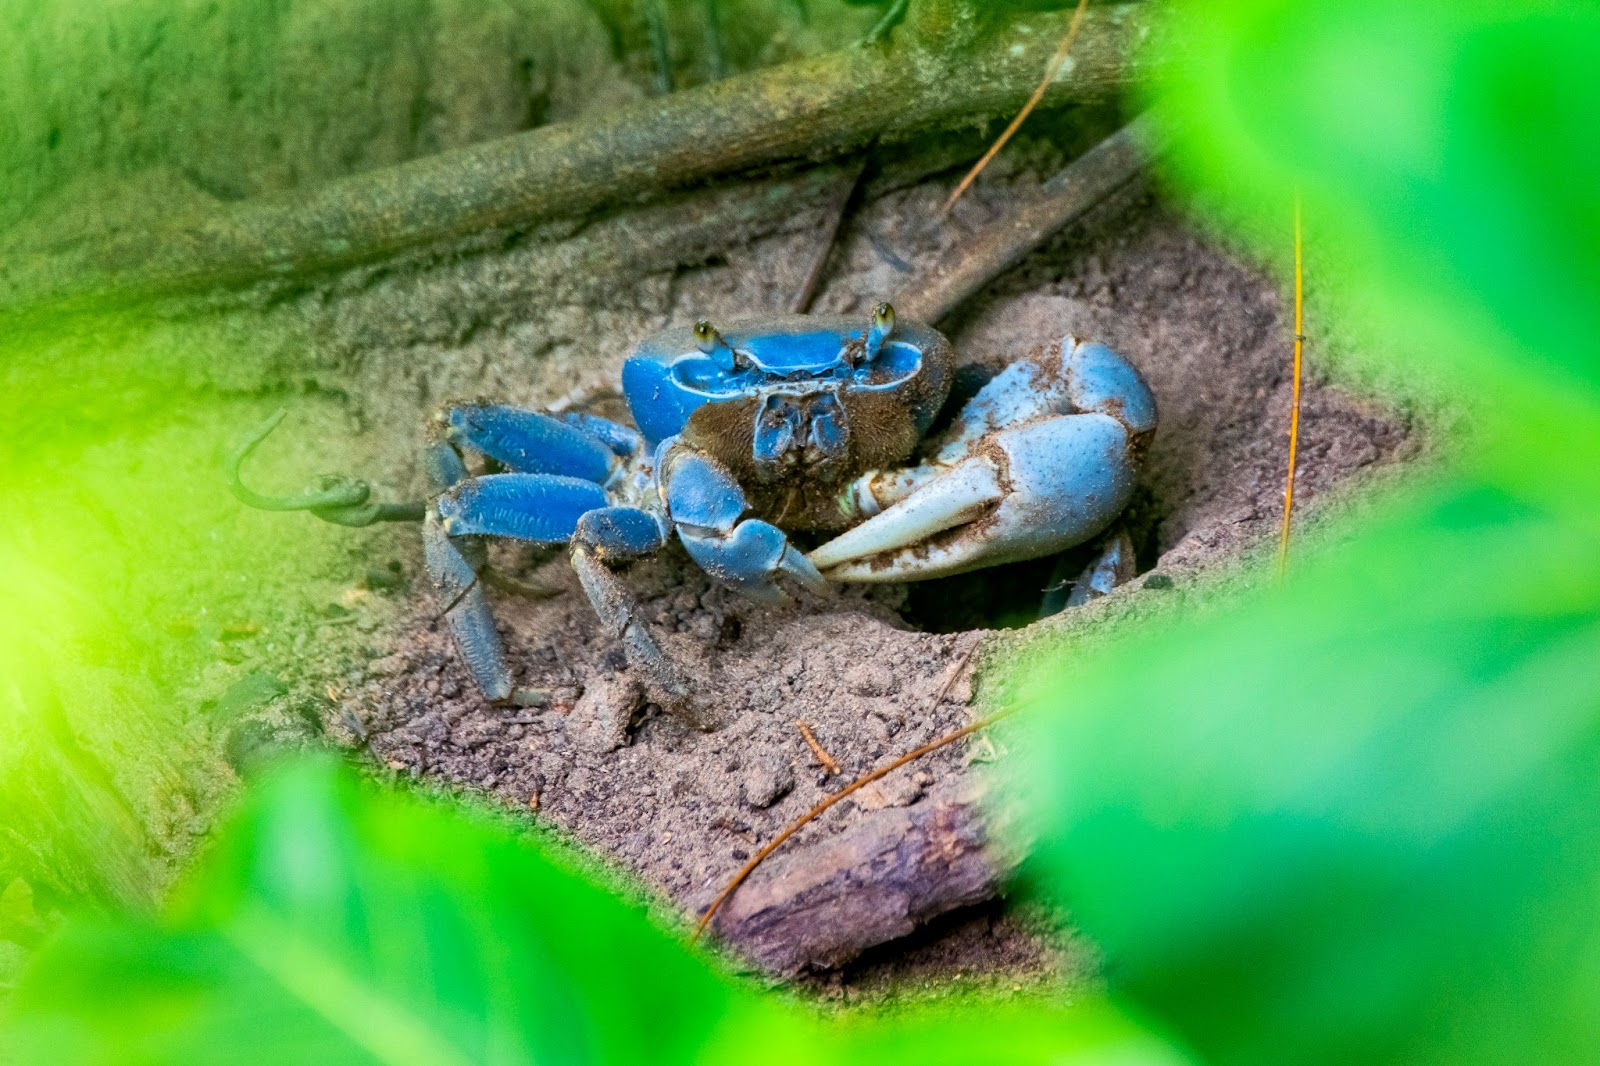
x: 1085, y: 182
x: 808, y: 108
x: 859, y: 783
x: 849, y: 192
x: 1051, y: 72
x: 825, y: 760
x: 1294, y: 407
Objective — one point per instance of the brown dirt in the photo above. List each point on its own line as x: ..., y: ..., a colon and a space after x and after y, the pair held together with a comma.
x: 683, y: 809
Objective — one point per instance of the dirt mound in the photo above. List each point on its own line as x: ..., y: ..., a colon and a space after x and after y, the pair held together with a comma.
x: 684, y: 809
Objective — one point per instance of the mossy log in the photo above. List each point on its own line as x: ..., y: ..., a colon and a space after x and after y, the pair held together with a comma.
x: 809, y: 108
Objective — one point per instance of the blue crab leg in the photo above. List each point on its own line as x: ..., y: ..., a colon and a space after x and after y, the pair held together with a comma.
x: 550, y: 509
x: 539, y: 507
x: 466, y: 608
x: 1113, y: 566
x: 623, y: 441
x: 706, y: 506
x: 606, y: 537
x: 1043, y: 458
x: 528, y: 442
x: 543, y: 508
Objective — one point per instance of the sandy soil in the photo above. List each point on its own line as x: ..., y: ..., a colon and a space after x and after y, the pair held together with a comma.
x: 683, y: 809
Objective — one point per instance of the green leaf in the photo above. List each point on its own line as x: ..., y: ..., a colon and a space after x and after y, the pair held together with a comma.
x: 1354, y: 820
x: 1448, y: 161
x: 336, y: 924
x: 989, y: 1034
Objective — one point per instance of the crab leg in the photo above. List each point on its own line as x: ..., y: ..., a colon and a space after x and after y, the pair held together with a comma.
x: 465, y: 607
x: 545, y: 509
x: 612, y: 535
x: 528, y: 442
x: 706, y: 506
x: 542, y: 508
x: 622, y: 440
x: 1043, y: 458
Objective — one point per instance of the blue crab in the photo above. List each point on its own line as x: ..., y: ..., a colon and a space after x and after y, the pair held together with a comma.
x: 802, y: 425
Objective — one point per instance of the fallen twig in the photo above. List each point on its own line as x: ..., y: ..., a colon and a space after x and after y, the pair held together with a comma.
x: 807, y: 108
x: 1051, y: 71
x: 817, y: 906
x: 1085, y: 182
x: 859, y: 783
x: 818, y: 750
x: 849, y: 191
x: 1294, y: 407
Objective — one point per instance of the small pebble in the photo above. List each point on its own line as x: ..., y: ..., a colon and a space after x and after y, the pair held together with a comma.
x: 767, y: 781
x: 893, y: 791
x: 868, y: 680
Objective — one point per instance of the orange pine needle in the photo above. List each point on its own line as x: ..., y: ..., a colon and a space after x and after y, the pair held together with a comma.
x: 1294, y: 409
x: 817, y: 749
x: 859, y: 783
x: 1027, y: 109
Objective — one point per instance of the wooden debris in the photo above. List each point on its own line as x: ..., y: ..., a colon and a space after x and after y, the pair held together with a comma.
x: 1051, y: 72
x: 809, y: 108
x: 901, y: 866
x: 1088, y: 180
x: 859, y: 783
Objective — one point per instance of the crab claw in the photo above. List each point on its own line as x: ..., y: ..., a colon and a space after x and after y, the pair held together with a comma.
x: 750, y: 558
x: 1036, y: 489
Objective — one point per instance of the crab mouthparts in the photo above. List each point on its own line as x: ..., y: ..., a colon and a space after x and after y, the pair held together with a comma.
x: 792, y: 430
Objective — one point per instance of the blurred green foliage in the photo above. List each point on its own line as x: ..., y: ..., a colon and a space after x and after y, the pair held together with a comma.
x: 1352, y: 819
x: 1445, y: 155
x: 337, y: 923
x: 116, y: 114
x: 1353, y: 822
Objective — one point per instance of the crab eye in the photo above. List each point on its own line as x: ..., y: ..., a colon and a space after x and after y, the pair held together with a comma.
x: 705, y: 337
x: 883, y: 318
x: 882, y: 327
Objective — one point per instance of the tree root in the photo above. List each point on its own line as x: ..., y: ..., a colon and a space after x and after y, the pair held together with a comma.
x: 1085, y: 182
x: 805, y: 109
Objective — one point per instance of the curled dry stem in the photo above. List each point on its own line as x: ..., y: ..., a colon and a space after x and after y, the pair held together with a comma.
x: 859, y: 783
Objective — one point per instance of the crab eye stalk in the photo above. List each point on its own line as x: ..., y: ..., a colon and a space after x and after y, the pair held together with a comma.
x: 706, y: 337
x: 882, y: 329
x: 710, y: 343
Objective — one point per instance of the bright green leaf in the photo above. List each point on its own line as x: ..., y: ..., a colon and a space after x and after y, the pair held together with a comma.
x: 1448, y: 161
x: 335, y: 924
x: 1353, y: 821
x: 1028, y: 1034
